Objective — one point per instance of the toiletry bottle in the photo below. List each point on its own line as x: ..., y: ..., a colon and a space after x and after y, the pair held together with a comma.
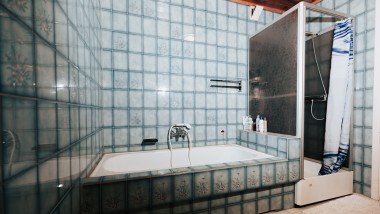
x: 261, y: 125
x: 244, y: 121
x: 265, y: 124
x: 257, y: 123
x: 247, y: 123
x: 250, y: 122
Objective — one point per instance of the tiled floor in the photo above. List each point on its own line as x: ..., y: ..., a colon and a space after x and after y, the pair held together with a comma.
x: 352, y: 204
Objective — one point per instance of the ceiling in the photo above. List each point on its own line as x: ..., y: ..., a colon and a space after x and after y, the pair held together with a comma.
x: 278, y: 6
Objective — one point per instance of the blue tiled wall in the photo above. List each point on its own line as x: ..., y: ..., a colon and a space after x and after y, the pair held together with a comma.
x: 50, y: 99
x: 159, y: 57
x: 364, y: 12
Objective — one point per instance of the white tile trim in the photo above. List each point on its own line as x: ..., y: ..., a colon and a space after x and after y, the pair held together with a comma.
x: 375, y: 186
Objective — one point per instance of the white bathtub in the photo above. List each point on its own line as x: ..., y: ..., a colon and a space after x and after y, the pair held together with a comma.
x: 129, y: 162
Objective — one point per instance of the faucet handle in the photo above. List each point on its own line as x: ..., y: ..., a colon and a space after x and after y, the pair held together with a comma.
x: 187, y: 126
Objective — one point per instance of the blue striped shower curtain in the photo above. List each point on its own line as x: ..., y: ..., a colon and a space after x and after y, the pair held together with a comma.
x: 339, y: 104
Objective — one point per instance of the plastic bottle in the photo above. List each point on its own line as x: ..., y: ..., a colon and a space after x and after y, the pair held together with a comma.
x: 257, y: 123
x: 244, y: 121
x: 261, y: 125
x: 250, y: 122
x: 265, y: 125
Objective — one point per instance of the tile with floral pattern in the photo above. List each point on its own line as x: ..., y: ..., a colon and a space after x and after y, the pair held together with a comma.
x: 138, y: 193
x: 162, y: 190
x: 253, y: 176
x: 220, y: 180
x: 267, y: 174
x: 237, y: 179
x: 183, y: 187
x: 202, y: 184
x: 294, y: 170
x: 113, y: 197
x: 281, y: 173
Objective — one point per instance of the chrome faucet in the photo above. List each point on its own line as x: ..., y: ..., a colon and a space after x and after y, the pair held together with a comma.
x: 178, y: 131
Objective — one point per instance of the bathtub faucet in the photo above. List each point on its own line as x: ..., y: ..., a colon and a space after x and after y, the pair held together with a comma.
x: 176, y: 131
x: 179, y: 130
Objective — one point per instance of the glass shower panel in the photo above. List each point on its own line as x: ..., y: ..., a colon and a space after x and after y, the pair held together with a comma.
x: 273, y: 74
x: 314, y: 130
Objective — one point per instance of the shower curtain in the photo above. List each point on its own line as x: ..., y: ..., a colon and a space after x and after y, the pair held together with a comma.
x: 339, y: 103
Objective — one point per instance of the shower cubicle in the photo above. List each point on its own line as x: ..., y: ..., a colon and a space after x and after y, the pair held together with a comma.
x: 289, y: 82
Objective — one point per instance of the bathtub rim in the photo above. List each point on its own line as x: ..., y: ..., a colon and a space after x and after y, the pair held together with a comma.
x: 99, y: 169
x: 182, y: 170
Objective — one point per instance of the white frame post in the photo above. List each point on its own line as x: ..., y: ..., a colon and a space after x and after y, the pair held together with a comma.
x: 301, y: 79
x: 375, y: 184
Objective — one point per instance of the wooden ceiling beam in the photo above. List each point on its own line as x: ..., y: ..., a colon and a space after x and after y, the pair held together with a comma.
x: 272, y: 3
x: 249, y: 3
x: 278, y: 6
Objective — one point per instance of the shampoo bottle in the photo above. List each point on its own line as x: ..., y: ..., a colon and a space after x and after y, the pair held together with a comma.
x: 261, y: 125
x: 265, y: 124
x: 257, y: 123
x: 244, y: 121
x: 250, y: 122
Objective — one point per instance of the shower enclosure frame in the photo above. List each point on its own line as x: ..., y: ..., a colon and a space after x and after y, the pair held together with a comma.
x: 301, y: 9
x: 301, y: 52
x: 375, y: 187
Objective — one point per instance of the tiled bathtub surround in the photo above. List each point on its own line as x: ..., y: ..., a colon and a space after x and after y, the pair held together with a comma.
x: 284, y: 147
x: 243, y: 187
x: 110, y: 197
x: 50, y: 103
x: 159, y: 57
